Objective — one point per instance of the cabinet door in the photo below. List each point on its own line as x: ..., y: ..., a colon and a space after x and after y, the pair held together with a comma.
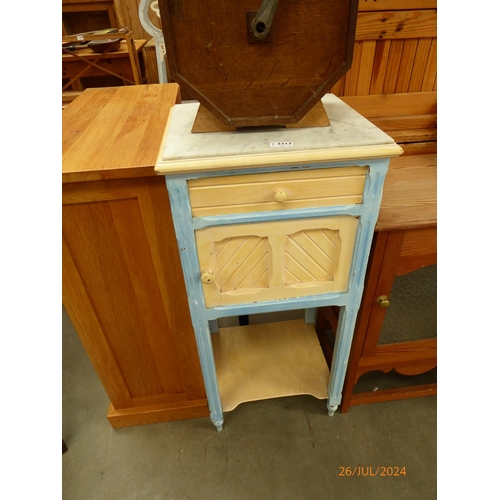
x: 275, y: 260
x: 407, y: 278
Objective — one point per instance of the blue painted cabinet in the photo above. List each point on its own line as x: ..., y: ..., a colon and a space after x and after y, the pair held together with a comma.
x: 273, y: 220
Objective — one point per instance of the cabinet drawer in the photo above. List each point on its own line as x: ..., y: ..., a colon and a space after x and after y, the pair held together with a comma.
x: 276, y: 260
x: 277, y: 191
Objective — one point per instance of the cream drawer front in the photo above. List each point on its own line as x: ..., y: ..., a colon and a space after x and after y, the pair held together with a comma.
x: 277, y: 191
x: 275, y: 260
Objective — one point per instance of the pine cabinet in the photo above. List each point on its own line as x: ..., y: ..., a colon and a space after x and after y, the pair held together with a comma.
x: 123, y: 287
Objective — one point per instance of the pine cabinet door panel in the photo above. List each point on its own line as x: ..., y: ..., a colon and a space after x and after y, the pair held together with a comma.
x: 276, y: 260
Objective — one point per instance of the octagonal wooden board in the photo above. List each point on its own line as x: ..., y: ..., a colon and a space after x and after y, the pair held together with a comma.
x: 211, y: 55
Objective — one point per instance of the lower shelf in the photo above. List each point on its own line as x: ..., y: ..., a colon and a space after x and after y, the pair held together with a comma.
x: 267, y: 361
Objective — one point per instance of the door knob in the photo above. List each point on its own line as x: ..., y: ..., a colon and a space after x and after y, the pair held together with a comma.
x: 207, y: 276
x: 383, y: 301
x: 279, y: 196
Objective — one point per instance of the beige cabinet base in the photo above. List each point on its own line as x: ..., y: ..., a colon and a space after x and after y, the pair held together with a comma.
x: 268, y: 361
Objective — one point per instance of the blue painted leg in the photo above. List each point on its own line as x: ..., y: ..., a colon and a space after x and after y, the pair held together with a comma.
x: 179, y: 200
x: 205, y: 352
x: 310, y: 315
x: 343, y: 338
x: 331, y: 410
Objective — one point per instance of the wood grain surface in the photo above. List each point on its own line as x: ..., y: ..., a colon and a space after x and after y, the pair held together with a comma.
x: 245, y: 83
x: 124, y: 291
x: 115, y: 132
x: 123, y: 286
x: 395, y: 49
x: 267, y: 361
x: 292, y: 258
x: 410, y: 193
x: 255, y: 192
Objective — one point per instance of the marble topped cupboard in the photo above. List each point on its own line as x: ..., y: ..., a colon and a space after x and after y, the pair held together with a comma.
x: 268, y: 220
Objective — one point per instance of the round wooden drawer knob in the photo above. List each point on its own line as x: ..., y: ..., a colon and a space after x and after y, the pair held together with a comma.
x: 383, y: 301
x: 207, y: 276
x: 279, y: 196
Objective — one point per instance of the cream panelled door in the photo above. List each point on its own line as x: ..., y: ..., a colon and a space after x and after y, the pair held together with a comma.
x: 275, y: 260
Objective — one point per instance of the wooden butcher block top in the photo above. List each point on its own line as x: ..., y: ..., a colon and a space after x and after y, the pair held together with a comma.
x: 115, y: 132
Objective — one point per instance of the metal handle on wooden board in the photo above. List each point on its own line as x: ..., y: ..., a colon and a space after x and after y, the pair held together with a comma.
x: 263, y: 20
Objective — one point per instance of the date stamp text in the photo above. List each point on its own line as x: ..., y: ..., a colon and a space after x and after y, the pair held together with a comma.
x: 370, y: 471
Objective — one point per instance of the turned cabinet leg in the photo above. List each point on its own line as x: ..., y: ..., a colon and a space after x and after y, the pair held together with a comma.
x: 343, y: 338
x: 207, y: 361
x: 331, y: 409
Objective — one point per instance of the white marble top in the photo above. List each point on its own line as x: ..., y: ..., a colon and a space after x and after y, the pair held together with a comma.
x: 349, y: 136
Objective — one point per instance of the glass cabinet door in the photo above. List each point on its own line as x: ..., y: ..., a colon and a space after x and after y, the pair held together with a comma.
x: 412, y: 314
